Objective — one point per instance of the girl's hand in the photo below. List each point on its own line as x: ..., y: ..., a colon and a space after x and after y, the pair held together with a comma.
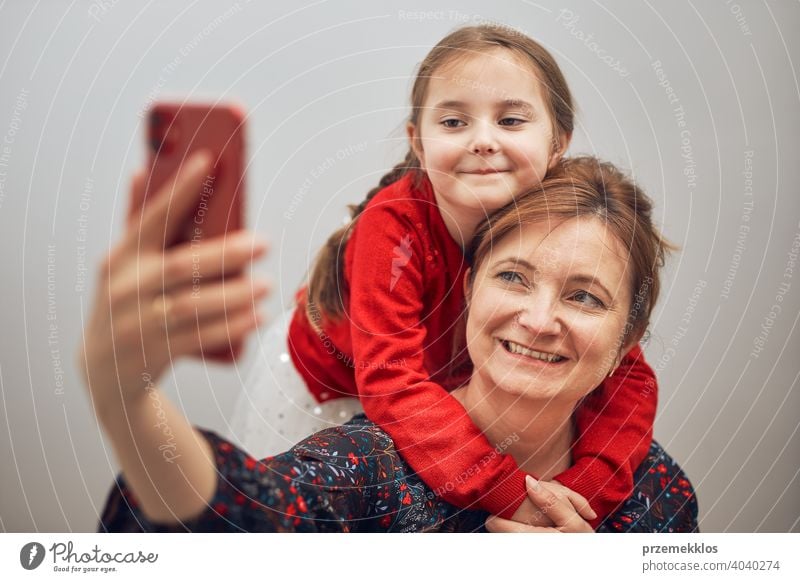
x: 556, y: 509
x: 153, y: 305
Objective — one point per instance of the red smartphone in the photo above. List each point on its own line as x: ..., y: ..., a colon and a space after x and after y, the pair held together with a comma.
x: 174, y: 132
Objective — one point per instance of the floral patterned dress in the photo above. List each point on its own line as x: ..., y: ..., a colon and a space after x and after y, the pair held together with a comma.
x: 352, y: 479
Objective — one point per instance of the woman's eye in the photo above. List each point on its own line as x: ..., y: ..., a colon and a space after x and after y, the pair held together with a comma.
x: 452, y: 123
x: 510, y: 277
x: 587, y: 299
x: 511, y: 121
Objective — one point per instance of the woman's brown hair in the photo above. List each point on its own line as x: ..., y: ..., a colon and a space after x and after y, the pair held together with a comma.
x: 585, y: 186
x: 327, y: 288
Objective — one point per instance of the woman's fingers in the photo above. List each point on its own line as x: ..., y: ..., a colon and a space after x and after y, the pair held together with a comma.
x: 172, y: 325
x: 140, y: 276
x: 196, y: 263
x: 220, y: 333
x: 138, y: 183
x: 163, y: 216
x: 213, y: 300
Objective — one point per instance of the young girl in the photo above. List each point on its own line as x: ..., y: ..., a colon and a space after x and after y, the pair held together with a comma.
x: 382, y: 316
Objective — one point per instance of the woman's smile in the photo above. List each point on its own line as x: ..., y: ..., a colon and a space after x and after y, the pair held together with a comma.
x: 516, y: 349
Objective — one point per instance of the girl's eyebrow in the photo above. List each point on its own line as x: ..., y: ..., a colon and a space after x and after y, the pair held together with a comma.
x: 450, y: 104
x: 517, y: 103
x: 501, y: 104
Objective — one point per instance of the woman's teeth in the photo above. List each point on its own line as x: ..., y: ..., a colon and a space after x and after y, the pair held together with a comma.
x: 518, y: 349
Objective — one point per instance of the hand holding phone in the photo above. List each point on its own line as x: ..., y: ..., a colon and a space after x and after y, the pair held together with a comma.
x: 175, y: 132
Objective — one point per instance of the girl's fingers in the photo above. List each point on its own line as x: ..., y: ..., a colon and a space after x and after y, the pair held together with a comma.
x: 560, y: 510
x: 163, y: 216
x: 196, y: 263
x: 579, y: 502
x: 581, y: 505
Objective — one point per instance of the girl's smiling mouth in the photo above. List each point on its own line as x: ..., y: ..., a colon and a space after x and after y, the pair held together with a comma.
x: 484, y: 171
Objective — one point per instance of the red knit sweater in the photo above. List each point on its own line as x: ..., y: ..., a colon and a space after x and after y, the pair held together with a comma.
x: 395, y: 347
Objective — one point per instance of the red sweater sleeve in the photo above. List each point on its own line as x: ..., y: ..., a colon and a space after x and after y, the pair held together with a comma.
x: 615, y: 428
x: 430, y: 428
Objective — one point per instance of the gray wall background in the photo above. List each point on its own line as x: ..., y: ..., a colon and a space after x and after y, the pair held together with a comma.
x: 326, y: 85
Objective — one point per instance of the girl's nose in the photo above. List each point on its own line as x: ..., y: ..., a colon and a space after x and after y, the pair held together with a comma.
x: 484, y: 140
x: 539, y: 317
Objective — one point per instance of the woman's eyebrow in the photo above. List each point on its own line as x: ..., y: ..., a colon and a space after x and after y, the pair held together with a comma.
x: 516, y: 262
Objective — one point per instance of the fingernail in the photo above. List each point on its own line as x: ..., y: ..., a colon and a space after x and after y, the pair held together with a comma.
x: 248, y: 242
x: 532, y: 483
x: 202, y: 157
x: 259, y: 245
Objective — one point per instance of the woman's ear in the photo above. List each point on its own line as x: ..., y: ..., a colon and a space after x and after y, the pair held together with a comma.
x: 414, y: 142
x: 467, y: 286
x: 634, y: 337
x: 560, y: 145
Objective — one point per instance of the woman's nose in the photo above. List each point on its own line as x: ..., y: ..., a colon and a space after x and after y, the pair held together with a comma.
x: 484, y: 141
x: 539, y: 317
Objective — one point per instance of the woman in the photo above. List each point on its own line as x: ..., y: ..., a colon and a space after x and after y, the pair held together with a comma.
x: 561, y: 287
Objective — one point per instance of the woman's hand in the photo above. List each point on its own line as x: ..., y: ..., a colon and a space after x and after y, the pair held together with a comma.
x: 154, y: 305
x: 550, y: 508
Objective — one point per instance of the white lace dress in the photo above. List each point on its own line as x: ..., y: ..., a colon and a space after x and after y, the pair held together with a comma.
x: 275, y: 410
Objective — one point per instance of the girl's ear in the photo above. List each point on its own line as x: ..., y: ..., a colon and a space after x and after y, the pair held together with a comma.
x: 560, y: 146
x: 414, y: 142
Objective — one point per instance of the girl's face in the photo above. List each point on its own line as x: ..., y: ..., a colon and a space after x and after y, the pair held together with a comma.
x: 484, y: 134
x: 548, y: 309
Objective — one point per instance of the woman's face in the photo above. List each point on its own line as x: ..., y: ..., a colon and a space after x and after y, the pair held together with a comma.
x: 548, y: 309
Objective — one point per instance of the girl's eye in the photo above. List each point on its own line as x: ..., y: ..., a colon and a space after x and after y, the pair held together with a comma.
x: 511, y: 121
x: 452, y: 123
x: 510, y: 277
x: 587, y: 299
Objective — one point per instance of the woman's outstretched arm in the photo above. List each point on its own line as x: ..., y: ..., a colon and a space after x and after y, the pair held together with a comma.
x: 147, y: 312
x: 164, y: 459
